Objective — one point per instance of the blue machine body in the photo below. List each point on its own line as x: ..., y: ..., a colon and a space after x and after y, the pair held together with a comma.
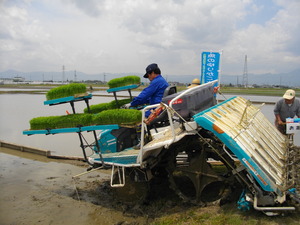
x: 107, y: 142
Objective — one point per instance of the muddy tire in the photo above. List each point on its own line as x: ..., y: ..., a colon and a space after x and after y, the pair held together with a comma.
x: 195, y: 179
x: 135, y: 190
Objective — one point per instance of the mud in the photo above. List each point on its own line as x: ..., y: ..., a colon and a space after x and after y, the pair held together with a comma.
x: 38, y: 190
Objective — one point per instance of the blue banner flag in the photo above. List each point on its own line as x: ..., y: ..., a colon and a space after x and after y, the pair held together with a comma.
x: 210, y: 67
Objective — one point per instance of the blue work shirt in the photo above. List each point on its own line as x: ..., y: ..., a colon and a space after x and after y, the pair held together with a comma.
x: 153, y: 93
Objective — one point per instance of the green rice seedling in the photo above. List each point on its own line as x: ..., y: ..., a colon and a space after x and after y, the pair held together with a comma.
x: 97, y: 108
x: 105, y: 106
x: 118, y: 116
x: 41, y: 123
x: 66, y: 91
x: 132, y: 80
x: 74, y: 120
x: 65, y: 121
x: 113, y: 104
x: 123, y: 81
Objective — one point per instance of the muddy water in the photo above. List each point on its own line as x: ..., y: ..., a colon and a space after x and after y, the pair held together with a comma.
x: 16, y: 110
x: 36, y: 190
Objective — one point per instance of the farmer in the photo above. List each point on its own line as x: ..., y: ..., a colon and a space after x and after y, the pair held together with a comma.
x: 287, y: 107
x: 154, y: 92
x: 194, y: 83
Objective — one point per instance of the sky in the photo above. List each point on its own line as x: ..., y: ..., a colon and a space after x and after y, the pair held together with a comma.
x: 124, y: 36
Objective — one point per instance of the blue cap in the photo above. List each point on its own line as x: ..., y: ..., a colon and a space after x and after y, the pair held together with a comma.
x: 150, y: 68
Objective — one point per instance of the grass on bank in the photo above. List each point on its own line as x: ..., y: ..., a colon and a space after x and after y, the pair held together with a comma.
x: 257, y: 91
x: 224, y: 89
x: 205, y: 218
x: 224, y: 215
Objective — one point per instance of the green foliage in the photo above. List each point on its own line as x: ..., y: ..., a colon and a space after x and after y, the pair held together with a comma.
x: 112, y: 116
x: 123, y: 81
x: 105, y: 106
x: 118, y: 116
x: 207, y: 218
x: 54, y: 122
x: 113, y: 104
x: 97, y: 108
x: 66, y: 91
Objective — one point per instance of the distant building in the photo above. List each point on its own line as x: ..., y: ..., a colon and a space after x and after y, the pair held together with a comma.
x: 18, y: 79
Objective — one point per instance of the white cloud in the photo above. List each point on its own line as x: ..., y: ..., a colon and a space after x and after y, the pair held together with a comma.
x: 21, y: 36
x: 269, y: 46
x: 124, y: 36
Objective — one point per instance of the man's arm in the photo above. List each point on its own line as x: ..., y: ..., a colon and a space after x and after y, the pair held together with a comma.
x: 144, y: 96
x: 277, y: 113
x: 298, y: 108
x: 278, y: 119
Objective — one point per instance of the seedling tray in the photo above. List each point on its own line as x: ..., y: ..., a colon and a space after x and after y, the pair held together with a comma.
x: 71, y: 130
x: 123, y: 88
x: 67, y: 100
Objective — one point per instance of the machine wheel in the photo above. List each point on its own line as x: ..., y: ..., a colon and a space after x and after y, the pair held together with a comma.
x: 196, y: 180
x: 134, y: 190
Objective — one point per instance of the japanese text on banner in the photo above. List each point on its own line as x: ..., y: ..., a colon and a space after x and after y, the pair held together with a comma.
x: 210, y: 67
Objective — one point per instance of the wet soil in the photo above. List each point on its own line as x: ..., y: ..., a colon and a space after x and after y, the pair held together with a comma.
x: 38, y: 190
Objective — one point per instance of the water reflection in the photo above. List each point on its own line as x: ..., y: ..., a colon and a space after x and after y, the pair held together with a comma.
x: 16, y: 110
x: 20, y: 89
x: 96, y: 91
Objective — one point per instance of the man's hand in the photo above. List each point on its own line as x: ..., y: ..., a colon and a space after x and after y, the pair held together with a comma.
x: 216, y: 89
x: 126, y: 106
x: 280, y: 122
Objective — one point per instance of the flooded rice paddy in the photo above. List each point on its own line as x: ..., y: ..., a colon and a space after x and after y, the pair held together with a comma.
x: 36, y: 190
x: 16, y: 110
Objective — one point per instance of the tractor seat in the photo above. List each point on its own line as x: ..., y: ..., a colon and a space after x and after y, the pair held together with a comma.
x: 170, y: 90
